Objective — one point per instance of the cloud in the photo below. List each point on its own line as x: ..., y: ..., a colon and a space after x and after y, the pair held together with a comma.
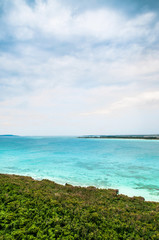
x: 58, y: 60
x: 102, y: 66
x: 52, y: 19
x: 146, y: 99
x: 57, y: 112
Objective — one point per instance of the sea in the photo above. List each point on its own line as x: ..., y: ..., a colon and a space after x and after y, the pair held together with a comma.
x: 130, y: 165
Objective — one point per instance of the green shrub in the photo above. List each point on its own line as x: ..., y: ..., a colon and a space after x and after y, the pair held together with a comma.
x: 32, y: 209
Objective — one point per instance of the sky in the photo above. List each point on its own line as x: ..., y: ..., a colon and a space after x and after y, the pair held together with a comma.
x: 79, y: 67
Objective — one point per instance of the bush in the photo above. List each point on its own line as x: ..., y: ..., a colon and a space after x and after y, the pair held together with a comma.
x: 32, y: 209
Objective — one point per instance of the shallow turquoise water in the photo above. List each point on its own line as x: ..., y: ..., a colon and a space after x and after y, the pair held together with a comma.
x: 132, y: 166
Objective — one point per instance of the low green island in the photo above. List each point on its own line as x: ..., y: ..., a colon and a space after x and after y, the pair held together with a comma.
x: 145, y: 137
x: 32, y: 209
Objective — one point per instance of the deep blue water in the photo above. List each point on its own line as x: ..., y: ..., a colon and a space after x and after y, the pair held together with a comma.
x: 132, y: 166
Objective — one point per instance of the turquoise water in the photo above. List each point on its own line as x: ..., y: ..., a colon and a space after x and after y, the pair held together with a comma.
x: 132, y: 166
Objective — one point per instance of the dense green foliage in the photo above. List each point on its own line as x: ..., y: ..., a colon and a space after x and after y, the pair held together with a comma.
x: 32, y: 209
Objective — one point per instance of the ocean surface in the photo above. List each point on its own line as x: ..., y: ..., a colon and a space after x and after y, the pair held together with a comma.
x: 132, y: 166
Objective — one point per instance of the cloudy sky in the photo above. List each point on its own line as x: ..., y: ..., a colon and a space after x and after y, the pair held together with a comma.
x: 79, y: 67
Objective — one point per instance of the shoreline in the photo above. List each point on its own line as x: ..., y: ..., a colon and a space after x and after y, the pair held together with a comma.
x: 136, y: 137
x: 115, y: 189
x: 122, y: 189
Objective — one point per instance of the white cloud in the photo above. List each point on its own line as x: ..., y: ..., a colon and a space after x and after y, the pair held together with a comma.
x: 143, y: 100
x: 92, y: 67
x: 57, y: 111
x: 52, y: 19
x: 64, y: 63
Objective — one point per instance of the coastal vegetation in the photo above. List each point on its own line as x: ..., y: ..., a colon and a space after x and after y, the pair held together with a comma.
x: 145, y: 137
x: 31, y: 209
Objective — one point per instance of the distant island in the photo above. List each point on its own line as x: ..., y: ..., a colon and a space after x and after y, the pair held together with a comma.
x: 146, y: 137
x: 8, y: 135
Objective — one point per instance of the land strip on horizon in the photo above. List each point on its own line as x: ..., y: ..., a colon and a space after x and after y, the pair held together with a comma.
x: 148, y: 137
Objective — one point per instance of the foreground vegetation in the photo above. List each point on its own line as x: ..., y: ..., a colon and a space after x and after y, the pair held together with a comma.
x: 32, y: 209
